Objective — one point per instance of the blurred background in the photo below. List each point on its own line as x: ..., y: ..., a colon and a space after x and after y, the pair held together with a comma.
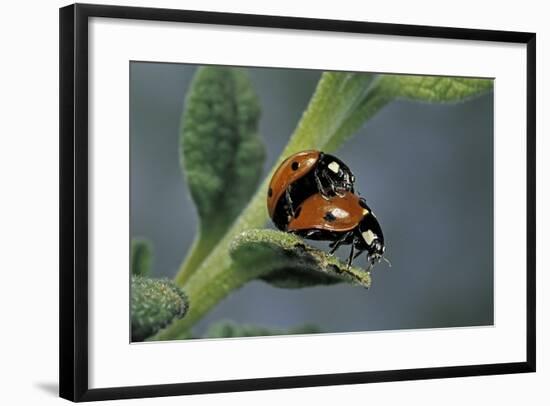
x: 425, y: 169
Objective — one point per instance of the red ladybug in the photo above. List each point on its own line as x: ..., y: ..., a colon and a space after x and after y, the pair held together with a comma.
x: 302, y: 175
x: 342, y: 219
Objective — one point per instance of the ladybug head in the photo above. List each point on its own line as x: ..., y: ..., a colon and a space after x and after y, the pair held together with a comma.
x: 344, y: 179
x: 376, y: 254
x: 376, y: 247
x: 340, y: 175
x: 372, y: 238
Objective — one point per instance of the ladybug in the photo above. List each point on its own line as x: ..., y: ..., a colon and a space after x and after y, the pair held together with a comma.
x: 302, y: 175
x: 342, y: 219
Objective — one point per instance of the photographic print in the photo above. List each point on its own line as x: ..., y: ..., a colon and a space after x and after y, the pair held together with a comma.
x: 220, y: 207
x: 276, y: 201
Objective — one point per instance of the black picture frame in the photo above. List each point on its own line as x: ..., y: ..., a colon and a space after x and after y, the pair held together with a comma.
x: 74, y: 201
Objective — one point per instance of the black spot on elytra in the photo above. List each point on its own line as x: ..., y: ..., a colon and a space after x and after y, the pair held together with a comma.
x: 294, y: 165
x: 329, y: 216
x: 270, y: 192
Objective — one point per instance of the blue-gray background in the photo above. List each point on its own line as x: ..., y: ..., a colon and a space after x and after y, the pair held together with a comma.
x: 426, y: 170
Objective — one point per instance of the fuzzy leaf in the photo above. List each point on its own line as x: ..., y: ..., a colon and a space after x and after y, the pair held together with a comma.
x: 227, y: 328
x: 221, y: 152
x: 154, y: 304
x: 220, y: 145
x: 141, y: 257
x: 287, y: 262
x: 440, y: 89
x: 385, y: 88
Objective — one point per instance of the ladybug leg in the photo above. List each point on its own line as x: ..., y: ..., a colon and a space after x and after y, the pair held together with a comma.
x: 333, y: 188
x: 335, y: 244
x: 350, y: 258
x: 320, y: 186
x: 289, y: 200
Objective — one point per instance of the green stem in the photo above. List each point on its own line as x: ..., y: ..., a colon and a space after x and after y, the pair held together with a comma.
x: 202, y: 246
x: 193, y: 259
x: 216, y: 277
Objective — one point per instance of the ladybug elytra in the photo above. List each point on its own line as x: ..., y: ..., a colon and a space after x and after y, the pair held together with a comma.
x: 301, y: 175
x: 343, y: 220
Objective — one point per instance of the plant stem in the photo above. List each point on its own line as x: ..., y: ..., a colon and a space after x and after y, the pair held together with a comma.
x: 193, y: 259
x: 202, y: 246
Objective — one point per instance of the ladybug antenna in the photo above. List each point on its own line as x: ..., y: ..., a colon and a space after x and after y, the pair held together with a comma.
x: 387, y: 261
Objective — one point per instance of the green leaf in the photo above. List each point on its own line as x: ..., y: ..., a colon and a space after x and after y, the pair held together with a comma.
x: 440, y: 89
x: 287, y: 262
x: 221, y: 153
x: 155, y: 303
x: 141, y: 257
x: 386, y: 88
x: 227, y: 328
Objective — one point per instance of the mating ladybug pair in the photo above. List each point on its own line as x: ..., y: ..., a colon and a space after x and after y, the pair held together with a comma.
x: 312, y: 195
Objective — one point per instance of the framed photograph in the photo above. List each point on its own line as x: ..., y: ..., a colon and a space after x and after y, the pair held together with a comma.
x: 256, y: 202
